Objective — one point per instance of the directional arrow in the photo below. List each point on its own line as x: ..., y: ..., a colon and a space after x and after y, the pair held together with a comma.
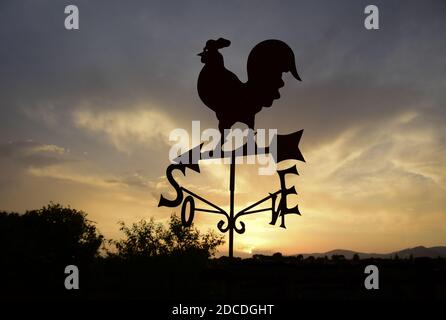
x: 282, y: 147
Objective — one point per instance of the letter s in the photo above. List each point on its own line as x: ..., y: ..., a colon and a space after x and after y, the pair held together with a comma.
x: 179, y: 198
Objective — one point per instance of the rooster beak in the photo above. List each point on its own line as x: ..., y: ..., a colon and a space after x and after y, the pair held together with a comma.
x: 200, y: 54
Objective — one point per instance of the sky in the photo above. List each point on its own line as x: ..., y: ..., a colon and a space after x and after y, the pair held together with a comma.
x: 86, y: 115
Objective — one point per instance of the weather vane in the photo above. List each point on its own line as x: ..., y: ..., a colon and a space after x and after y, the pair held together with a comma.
x: 234, y: 101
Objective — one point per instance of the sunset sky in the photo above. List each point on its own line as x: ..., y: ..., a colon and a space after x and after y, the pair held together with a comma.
x: 86, y: 115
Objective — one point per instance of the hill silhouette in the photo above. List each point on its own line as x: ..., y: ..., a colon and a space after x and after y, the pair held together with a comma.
x: 415, y: 252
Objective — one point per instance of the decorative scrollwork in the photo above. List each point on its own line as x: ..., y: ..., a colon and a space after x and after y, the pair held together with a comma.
x: 226, y: 224
x: 241, y: 229
x: 221, y: 225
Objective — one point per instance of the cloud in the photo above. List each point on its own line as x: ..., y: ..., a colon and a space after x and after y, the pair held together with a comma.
x: 402, y: 150
x: 34, y: 154
x: 383, y: 179
x: 62, y: 173
x: 42, y: 113
x: 127, y: 130
x: 133, y: 180
x: 51, y: 161
x: 87, y: 176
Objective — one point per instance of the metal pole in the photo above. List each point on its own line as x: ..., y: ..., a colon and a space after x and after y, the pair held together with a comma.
x: 231, y: 204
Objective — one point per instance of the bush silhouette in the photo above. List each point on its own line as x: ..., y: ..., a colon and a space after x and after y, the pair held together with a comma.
x: 152, y: 239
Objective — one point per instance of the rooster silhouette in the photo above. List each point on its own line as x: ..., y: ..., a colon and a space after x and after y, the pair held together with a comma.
x: 234, y: 101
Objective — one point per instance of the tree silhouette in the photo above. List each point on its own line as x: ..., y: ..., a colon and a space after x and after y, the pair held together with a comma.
x: 35, y: 248
x: 338, y: 257
x: 277, y: 255
x: 151, y: 239
x: 310, y: 258
x: 48, y: 235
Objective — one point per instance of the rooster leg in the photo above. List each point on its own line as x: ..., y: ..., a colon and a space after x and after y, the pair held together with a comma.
x: 221, y: 128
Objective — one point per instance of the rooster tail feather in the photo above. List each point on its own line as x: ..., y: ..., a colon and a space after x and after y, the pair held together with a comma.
x: 293, y: 70
x: 266, y: 63
x: 271, y: 56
